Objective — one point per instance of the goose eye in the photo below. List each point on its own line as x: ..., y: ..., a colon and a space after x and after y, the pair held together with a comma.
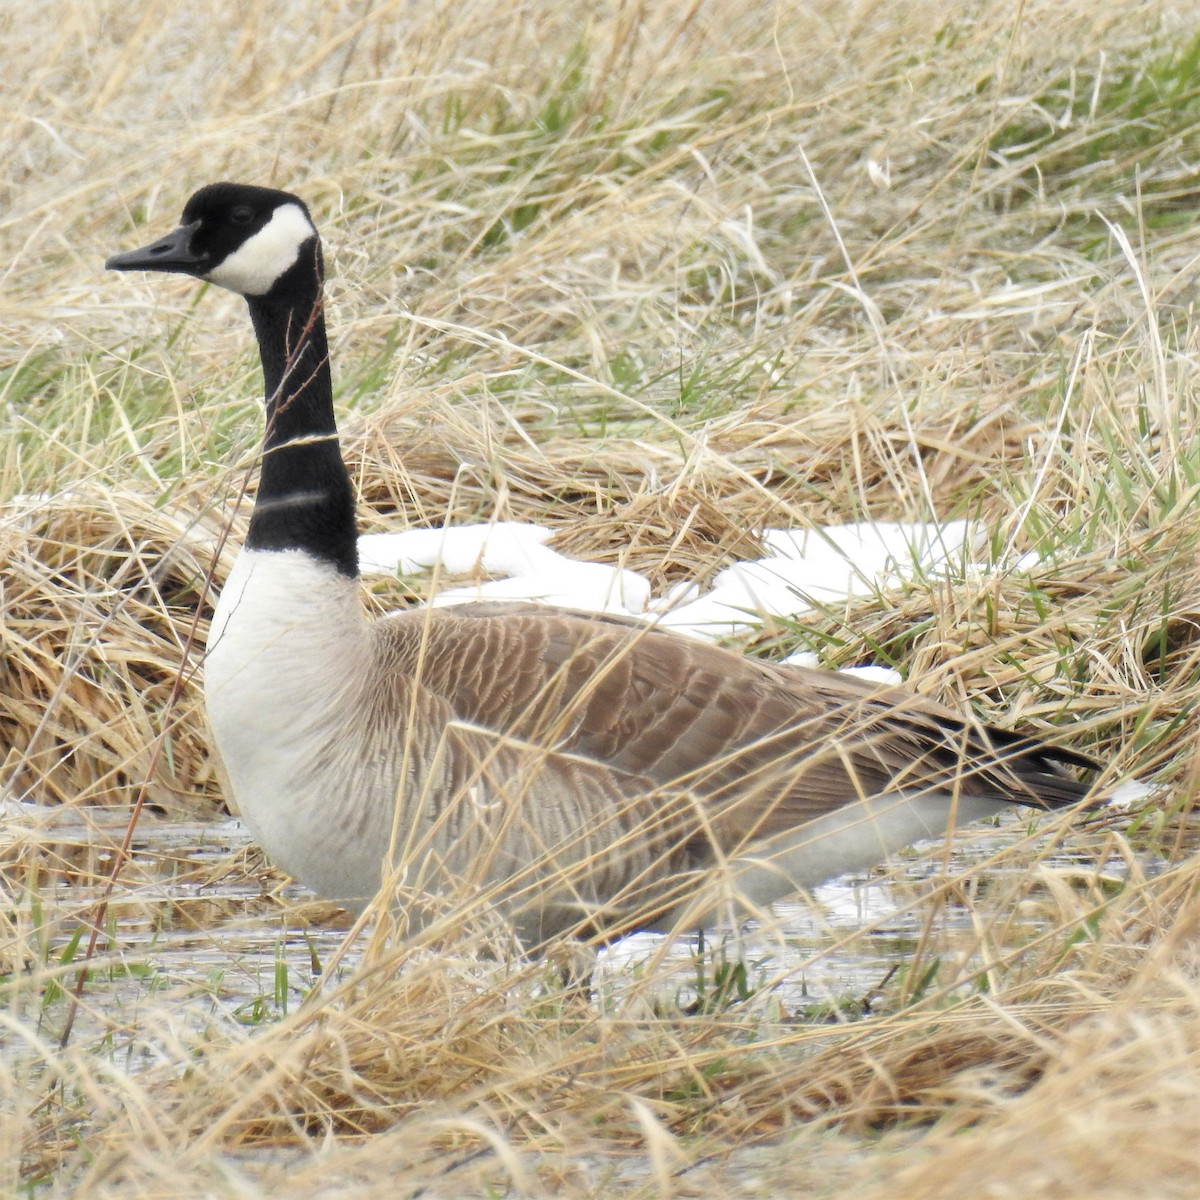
x: 243, y: 214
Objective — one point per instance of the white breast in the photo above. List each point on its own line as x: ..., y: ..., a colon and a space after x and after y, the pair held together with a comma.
x: 285, y: 664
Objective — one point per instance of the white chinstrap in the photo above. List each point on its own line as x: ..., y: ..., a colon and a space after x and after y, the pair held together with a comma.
x: 253, y: 267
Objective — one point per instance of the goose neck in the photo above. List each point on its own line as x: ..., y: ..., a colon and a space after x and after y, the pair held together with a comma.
x: 305, y: 500
x: 294, y: 348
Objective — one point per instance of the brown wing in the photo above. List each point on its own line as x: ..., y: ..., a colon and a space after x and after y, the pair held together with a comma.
x: 767, y: 747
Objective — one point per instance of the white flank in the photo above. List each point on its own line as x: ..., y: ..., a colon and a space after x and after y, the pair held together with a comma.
x: 851, y: 838
x: 253, y: 268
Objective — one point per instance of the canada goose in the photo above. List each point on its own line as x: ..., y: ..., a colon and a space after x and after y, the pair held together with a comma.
x: 595, y: 775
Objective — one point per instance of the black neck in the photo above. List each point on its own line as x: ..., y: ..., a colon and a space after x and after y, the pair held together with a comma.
x: 305, y: 499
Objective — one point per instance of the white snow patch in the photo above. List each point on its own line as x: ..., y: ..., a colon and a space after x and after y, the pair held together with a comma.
x: 501, y: 548
x: 805, y: 569
x: 875, y: 674
x: 803, y: 658
x: 591, y: 587
x: 807, y: 659
x: 865, y: 552
x: 530, y: 570
x: 813, y: 567
x: 676, y: 595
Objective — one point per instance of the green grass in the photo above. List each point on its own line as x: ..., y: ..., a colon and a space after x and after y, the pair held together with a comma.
x: 1139, y: 111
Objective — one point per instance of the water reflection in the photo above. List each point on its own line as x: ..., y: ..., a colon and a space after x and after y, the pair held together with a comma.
x: 190, y: 926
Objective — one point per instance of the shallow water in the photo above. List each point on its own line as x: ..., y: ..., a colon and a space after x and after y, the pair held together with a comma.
x: 191, y: 939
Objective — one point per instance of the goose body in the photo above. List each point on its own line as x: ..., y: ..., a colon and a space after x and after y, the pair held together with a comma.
x: 589, y: 774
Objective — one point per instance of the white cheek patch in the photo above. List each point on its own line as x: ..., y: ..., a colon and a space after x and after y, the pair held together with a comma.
x: 255, y: 265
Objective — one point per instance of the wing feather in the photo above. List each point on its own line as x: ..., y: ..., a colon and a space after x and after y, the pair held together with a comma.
x: 785, y: 744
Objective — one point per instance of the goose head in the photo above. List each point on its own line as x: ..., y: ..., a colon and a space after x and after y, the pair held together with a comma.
x: 243, y: 238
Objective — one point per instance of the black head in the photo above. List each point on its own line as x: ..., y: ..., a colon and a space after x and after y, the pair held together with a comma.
x: 237, y: 236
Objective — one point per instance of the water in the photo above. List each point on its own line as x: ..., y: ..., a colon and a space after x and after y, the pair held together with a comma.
x: 190, y: 938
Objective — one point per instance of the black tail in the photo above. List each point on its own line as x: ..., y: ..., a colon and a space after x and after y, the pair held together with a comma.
x: 1041, y: 773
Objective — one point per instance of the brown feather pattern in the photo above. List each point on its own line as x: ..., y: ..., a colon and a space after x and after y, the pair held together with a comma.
x: 623, y: 762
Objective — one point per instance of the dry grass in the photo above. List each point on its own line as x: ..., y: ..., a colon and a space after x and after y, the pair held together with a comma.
x: 657, y: 275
